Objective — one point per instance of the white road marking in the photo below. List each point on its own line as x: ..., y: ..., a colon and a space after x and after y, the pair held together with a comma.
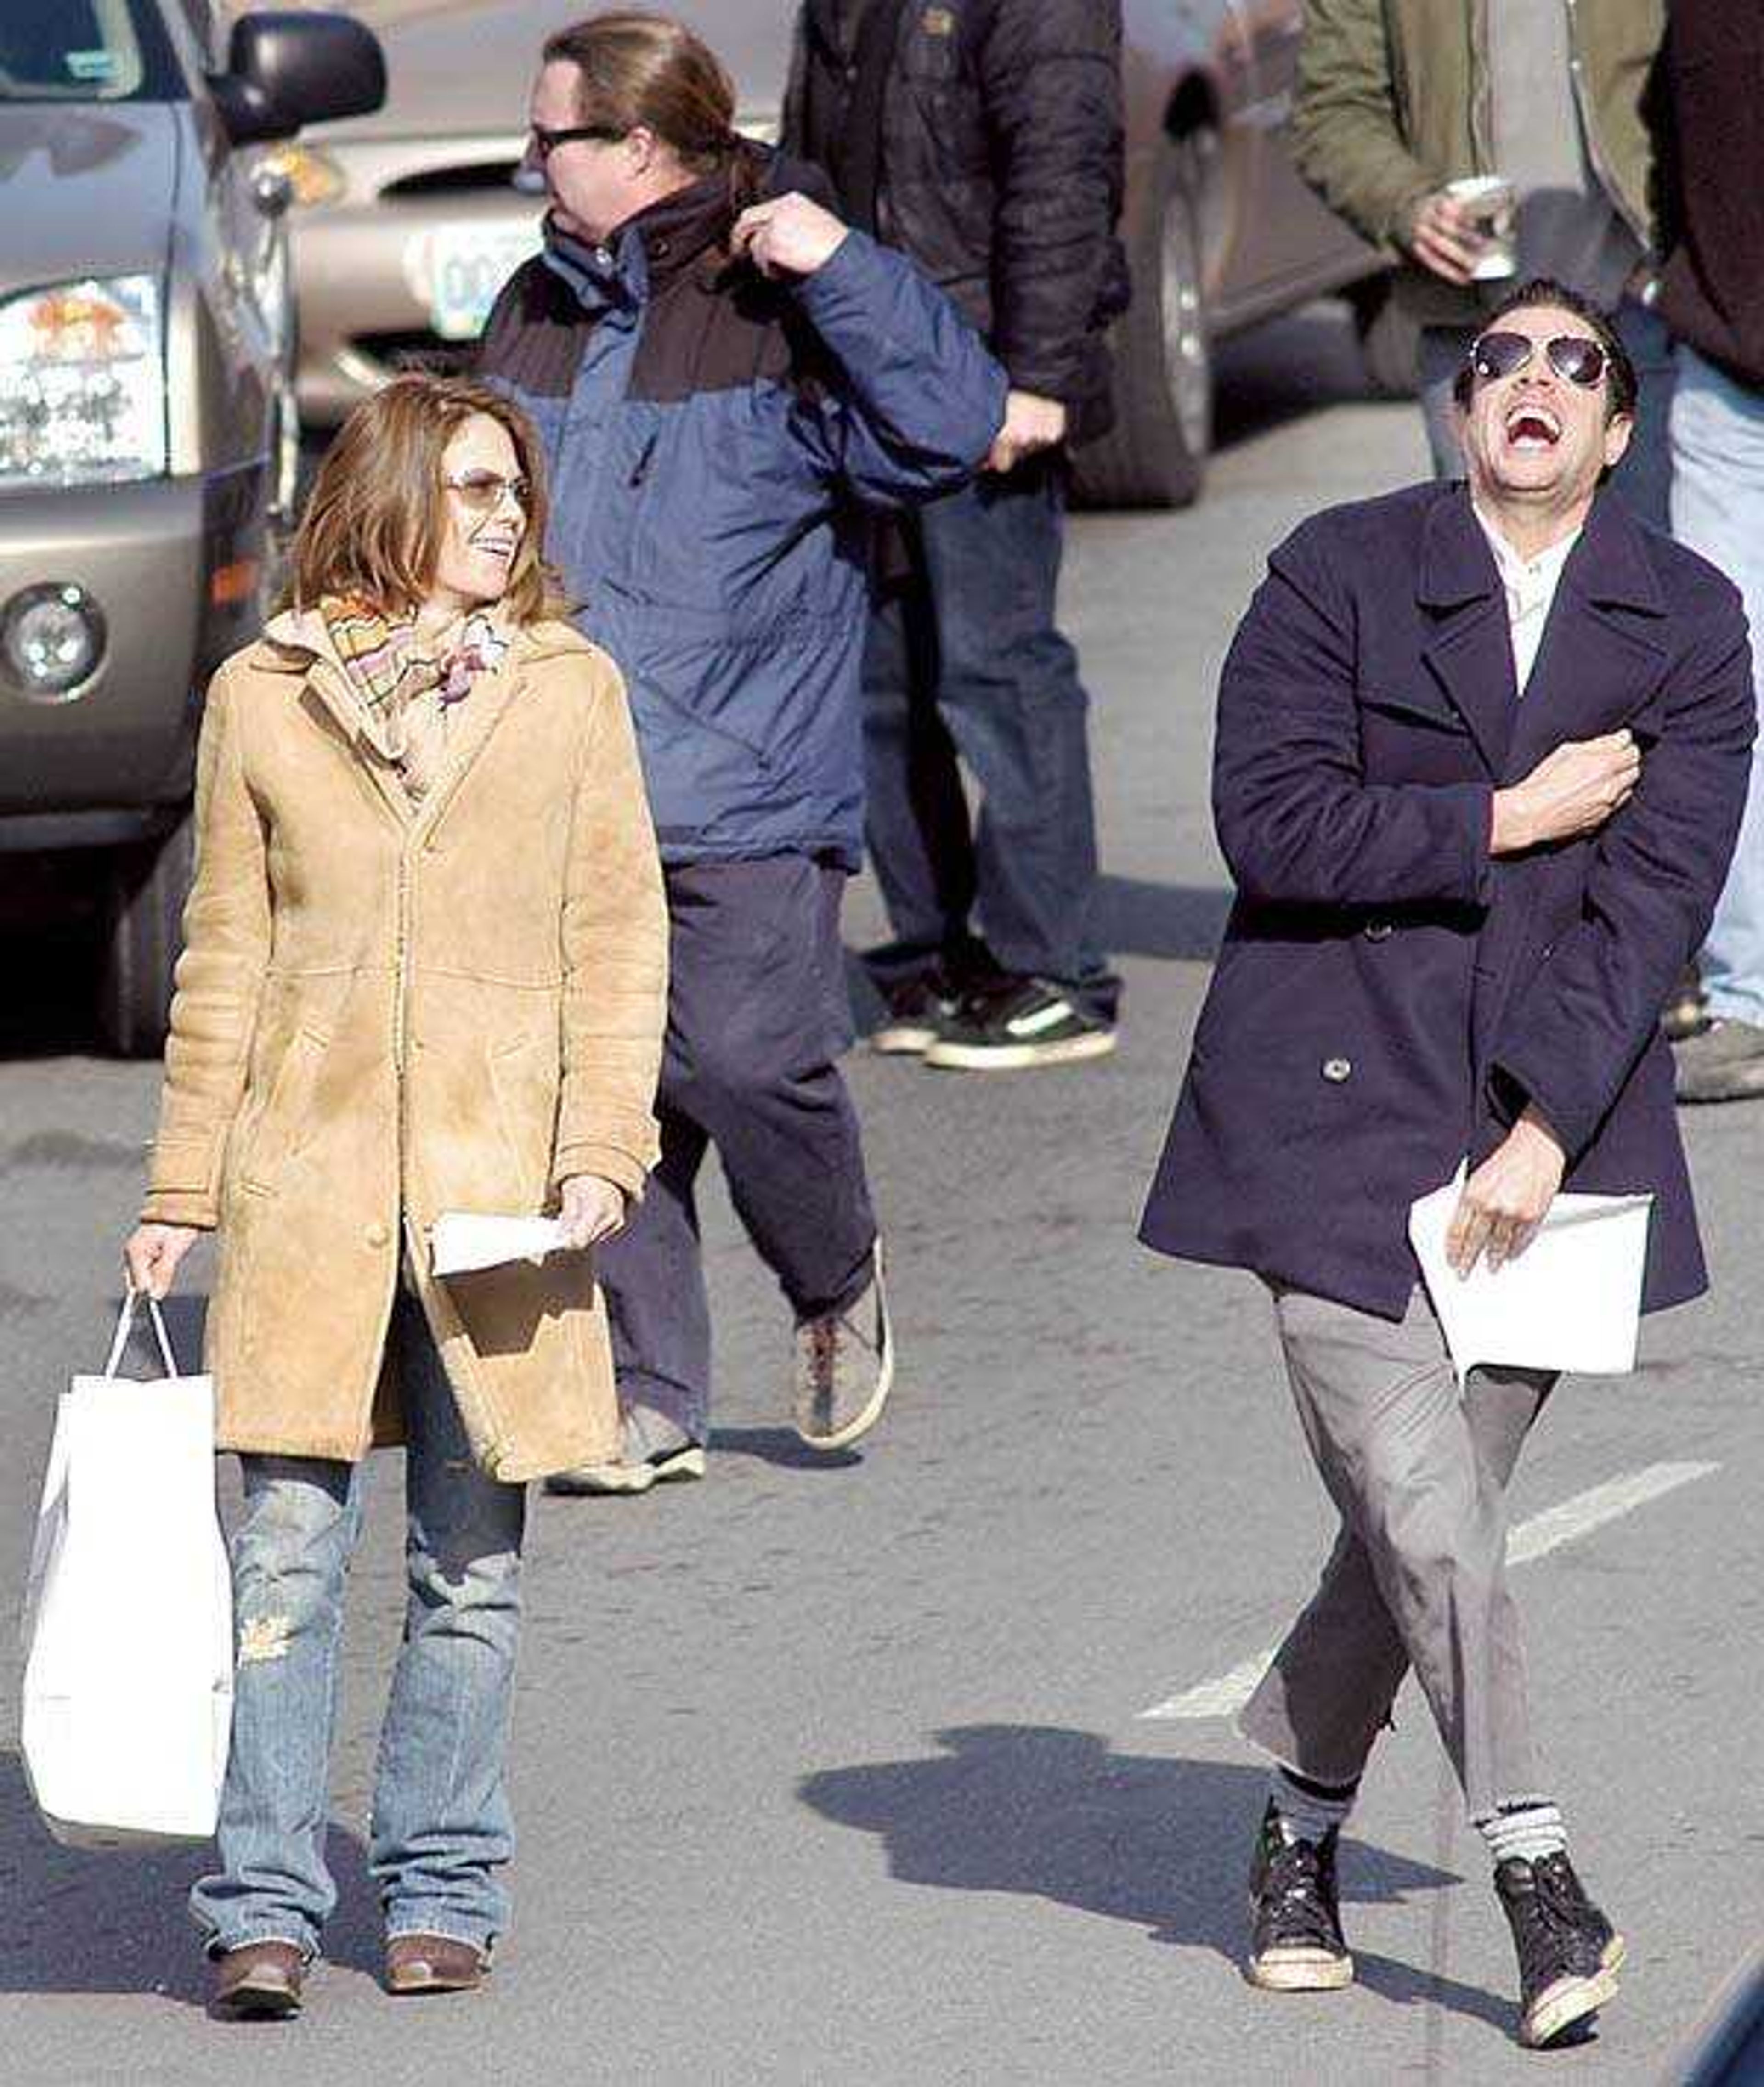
x: 1227, y: 1694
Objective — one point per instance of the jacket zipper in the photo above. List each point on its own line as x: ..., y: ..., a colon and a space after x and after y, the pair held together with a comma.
x: 1577, y: 75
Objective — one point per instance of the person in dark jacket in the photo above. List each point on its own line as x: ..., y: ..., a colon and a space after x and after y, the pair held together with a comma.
x: 984, y: 137
x: 1712, y: 297
x: 721, y: 373
x: 1482, y: 751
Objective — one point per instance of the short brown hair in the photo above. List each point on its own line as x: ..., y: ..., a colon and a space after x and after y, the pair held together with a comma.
x: 636, y: 68
x: 373, y: 528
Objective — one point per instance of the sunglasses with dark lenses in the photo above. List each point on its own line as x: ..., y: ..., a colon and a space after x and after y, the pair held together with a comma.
x: 546, y: 142
x: 1575, y: 357
x: 482, y: 491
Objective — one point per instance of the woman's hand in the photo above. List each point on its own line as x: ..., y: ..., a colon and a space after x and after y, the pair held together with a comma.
x: 151, y: 1256
x: 593, y: 1210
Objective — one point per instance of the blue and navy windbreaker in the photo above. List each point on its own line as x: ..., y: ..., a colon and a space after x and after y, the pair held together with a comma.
x: 711, y: 438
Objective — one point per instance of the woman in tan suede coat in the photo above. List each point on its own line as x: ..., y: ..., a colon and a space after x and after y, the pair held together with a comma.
x: 425, y: 970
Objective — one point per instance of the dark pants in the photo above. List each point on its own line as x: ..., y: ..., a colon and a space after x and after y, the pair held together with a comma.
x: 1645, y: 477
x: 757, y: 1014
x: 964, y: 661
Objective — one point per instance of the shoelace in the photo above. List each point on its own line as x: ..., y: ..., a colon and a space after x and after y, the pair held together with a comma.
x: 1556, y: 1919
x: 1296, y: 1880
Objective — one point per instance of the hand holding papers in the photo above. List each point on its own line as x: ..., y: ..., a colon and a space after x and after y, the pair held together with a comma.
x: 1570, y: 1301
x: 461, y: 1242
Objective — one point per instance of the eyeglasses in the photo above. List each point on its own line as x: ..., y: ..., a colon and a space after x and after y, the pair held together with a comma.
x: 546, y: 142
x: 482, y: 491
x: 1575, y: 357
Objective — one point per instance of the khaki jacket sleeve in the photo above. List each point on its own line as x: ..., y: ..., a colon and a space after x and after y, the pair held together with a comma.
x: 615, y: 953
x: 1347, y: 134
x: 218, y: 980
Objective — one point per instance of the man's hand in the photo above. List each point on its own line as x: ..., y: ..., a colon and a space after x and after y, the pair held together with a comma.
x: 1571, y: 791
x: 1444, y: 237
x: 593, y: 1210
x: 152, y: 1255
x: 1031, y: 424
x: 1508, y: 1196
x: 788, y: 236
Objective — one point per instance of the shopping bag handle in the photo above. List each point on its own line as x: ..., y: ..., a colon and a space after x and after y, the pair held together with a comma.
x: 125, y: 1322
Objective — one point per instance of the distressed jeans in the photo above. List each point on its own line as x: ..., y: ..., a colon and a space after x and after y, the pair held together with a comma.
x: 440, y: 1829
x: 1718, y: 509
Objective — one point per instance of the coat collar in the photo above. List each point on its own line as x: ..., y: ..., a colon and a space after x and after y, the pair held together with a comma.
x: 1592, y: 646
x: 297, y: 645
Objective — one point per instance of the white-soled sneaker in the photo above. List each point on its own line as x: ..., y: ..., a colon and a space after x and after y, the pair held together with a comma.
x: 845, y: 1368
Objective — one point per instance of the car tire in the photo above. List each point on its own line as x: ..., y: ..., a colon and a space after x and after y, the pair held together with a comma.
x: 1389, y: 340
x: 143, y: 913
x: 1156, y: 454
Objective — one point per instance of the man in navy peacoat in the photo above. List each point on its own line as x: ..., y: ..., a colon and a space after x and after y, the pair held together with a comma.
x: 1481, y: 756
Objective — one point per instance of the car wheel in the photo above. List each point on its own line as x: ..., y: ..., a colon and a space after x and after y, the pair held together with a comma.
x: 1156, y: 454
x: 1389, y: 340
x: 142, y: 922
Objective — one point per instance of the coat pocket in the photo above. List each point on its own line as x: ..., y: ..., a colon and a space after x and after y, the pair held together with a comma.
x: 280, y: 1128
x: 523, y: 1079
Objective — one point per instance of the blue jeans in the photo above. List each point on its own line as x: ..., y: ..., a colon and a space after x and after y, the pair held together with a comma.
x: 1718, y: 509
x: 1643, y: 478
x: 441, y: 1825
x: 965, y: 661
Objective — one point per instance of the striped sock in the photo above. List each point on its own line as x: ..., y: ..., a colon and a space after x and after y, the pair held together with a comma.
x: 1527, y: 1827
x: 1309, y: 1810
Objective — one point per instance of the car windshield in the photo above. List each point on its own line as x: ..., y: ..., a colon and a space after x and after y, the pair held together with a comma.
x: 86, y: 50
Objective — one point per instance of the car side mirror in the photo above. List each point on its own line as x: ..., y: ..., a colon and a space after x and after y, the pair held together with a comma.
x: 286, y: 70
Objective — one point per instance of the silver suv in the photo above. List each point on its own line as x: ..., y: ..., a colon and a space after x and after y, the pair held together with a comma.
x: 147, y: 436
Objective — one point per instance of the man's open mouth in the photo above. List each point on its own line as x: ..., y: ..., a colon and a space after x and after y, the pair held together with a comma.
x: 1533, y: 428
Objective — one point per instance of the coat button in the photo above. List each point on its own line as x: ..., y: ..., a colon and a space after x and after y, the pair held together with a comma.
x: 1336, y: 1070
x: 376, y: 1233
x: 1379, y: 931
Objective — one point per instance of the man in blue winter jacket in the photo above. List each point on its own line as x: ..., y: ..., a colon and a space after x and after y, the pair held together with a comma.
x: 723, y: 374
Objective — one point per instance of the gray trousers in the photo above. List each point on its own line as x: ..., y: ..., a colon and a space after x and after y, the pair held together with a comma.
x: 1418, y: 1574
x: 757, y: 1016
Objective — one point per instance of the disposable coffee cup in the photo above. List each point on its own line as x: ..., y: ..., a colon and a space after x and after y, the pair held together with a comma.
x: 1492, y: 203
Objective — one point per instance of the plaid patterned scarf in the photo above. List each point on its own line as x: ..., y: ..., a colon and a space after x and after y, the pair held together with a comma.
x: 408, y: 683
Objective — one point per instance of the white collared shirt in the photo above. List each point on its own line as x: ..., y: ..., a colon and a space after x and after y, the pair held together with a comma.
x: 1529, y: 587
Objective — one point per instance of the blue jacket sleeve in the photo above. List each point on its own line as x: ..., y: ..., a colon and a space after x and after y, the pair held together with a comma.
x: 914, y: 398
x: 1298, y: 823
x: 1573, y: 1036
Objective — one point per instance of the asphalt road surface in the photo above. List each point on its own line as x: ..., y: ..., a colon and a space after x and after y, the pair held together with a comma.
x: 842, y: 1772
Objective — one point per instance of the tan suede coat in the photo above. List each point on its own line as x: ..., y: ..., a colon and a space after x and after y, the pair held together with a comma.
x: 382, y: 1013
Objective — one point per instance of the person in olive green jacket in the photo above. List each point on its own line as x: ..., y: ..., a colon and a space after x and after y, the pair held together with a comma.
x: 1398, y: 99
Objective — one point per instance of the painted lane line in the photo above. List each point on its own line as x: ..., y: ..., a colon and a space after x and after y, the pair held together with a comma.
x: 1227, y: 1694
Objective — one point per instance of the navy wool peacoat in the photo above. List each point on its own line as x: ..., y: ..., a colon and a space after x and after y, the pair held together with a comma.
x: 1388, y: 997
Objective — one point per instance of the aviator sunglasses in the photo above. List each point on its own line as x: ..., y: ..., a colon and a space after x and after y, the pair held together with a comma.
x: 482, y: 491
x: 1575, y: 357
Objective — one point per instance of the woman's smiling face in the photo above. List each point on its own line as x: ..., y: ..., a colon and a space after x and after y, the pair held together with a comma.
x: 486, y: 519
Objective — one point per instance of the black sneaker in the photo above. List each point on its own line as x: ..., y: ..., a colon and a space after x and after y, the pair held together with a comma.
x: 918, y: 1008
x: 1570, y: 1955
x: 1295, y: 1942
x: 1014, y: 1023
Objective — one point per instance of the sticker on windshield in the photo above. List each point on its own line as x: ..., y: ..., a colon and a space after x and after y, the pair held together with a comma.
x: 99, y: 66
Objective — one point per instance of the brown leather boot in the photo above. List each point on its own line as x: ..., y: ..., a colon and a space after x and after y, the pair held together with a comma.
x: 432, y: 1964
x: 258, y: 1981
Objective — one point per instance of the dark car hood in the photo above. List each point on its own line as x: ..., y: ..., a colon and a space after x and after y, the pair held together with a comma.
x: 456, y: 71
x: 85, y: 191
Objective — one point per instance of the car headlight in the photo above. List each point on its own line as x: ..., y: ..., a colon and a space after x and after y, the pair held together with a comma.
x: 83, y: 383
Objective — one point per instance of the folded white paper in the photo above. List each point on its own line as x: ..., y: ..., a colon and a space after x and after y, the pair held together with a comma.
x: 460, y: 1241
x: 1571, y: 1301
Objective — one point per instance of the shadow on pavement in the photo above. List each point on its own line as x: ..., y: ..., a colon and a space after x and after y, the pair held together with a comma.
x: 780, y: 1445
x: 1286, y: 367
x: 1162, y: 1843
x: 120, y: 1923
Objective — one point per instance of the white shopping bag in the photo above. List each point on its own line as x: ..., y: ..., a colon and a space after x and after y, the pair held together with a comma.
x: 128, y: 1615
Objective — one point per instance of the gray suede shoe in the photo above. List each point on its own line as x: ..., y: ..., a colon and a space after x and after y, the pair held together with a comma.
x: 845, y: 1368
x: 1724, y: 1063
x: 652, y: 1450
